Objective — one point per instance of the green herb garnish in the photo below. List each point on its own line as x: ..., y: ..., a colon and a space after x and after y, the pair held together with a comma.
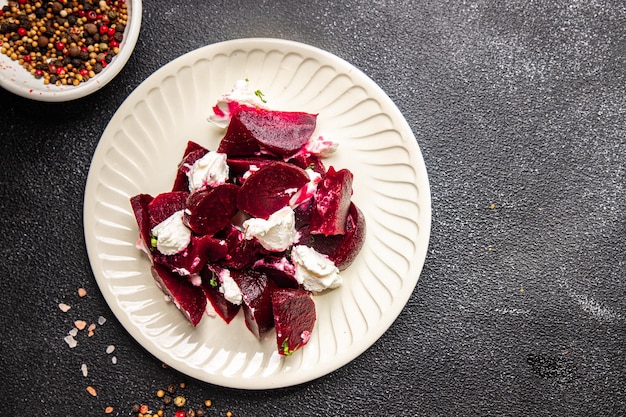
x: 259, y: 94
x: 285, y: 347
x: 213, y: 281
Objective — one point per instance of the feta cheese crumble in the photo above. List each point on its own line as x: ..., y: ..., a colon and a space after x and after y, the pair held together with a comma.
x: 209, y: 171
x: 314, y: 271
x: 229, y: 288
x: 275, y: 234
x: 240, y: 95
x: 320, y: 146
x: 172, y: 235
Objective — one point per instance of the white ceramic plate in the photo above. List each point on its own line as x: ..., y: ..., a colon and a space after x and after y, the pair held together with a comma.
x: 139, y: 152
x: 16, y: 79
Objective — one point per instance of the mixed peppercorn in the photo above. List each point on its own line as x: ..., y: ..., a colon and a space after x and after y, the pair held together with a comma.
x: 168, y: 397
x: 63, y: 42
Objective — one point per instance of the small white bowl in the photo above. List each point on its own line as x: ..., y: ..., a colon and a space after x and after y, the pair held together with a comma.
x: 16, y: 79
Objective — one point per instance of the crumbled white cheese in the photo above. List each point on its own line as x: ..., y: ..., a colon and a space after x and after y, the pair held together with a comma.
x: 229, y: 288
x: 320, y: 146
x: 209, y: 171
x: 171, y: 234
x: 241, y: 94
x: 275, y: 234
x: 313, y: 270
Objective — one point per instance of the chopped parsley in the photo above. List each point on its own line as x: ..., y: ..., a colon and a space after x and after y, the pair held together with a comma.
x: 285, y: 348
x: 213, y: 281
x: 259, y: 94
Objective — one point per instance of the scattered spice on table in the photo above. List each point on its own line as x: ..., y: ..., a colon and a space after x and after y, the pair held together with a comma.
x: 82, y: 292
x: 182, y: 406
x: 92, y: 391
x: 63, y: 42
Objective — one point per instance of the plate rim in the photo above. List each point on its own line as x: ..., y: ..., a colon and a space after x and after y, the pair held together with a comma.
x: 420, y: 253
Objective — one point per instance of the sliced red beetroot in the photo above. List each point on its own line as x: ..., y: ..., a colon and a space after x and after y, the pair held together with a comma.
x: 166, y: 204
x: 140, y: 204
x: 302, y: 213
x: 238, y: 140
x: 294, y: 318
x: 331, y: 203
x: 211, y: 284
x: 181, y: 183
x: 209, y: 210
x: 189, y: 299
x: 201, y: 249
x: 239, y: 166
x: 278, y: 269
x: 305, y: 161
x: 256, y: 289
x: 242, y: 253
x: 253, y: 129
x: 270, y: 188
x: 341, y: 249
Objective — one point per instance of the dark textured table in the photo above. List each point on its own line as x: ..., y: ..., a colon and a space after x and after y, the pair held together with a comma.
x: 520, y: 111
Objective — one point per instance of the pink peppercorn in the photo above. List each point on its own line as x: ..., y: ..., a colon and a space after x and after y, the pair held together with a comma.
x: 22, y: 31
x: 59, y: 46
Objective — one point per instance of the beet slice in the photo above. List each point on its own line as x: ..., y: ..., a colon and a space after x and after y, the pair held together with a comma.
x: 305, y: 161
x: 200, y: 250
x: 209, y: 210
x: 181, y: 183
x: 281, y: 133
x: 256, y: 289
x: 140, y: 205
x: 331, y: 203
x: 341, y: 249
x: 278, y: 269
x: 294, y: 318
x: 188, y: 298
x: 166, y: 204
x: 270, y: 188
x: 238, y: 140
x: 239, y: 166
x: 210, y: 284
x: 242, y: 253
